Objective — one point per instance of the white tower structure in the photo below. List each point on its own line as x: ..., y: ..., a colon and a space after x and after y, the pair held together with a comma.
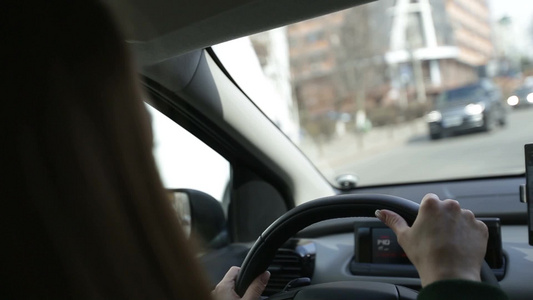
x: 400, y: 49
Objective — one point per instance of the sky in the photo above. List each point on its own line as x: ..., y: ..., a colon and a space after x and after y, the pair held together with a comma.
x: 520, y: 10
x: 521, y: 13
x: 184, y: 161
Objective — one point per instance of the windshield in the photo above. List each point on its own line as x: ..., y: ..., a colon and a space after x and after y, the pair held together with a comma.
x: 459, y: 95
x: 356, y: 90
x: 524, y: 91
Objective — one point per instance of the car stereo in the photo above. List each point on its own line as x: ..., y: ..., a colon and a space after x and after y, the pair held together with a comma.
x: 377, y: 252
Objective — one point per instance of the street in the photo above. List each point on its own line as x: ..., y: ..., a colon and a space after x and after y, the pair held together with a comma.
x: 467, y: 155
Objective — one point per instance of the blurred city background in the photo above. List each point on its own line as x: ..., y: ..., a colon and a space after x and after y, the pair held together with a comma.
x: 354, y: 85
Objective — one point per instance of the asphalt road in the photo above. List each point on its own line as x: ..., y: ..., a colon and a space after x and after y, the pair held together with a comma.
x: 462, y: 156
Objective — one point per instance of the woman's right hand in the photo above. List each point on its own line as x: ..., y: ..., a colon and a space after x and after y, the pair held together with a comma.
x: 445, y: 241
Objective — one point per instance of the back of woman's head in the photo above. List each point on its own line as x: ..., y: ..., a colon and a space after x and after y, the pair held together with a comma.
x: 84, y: 213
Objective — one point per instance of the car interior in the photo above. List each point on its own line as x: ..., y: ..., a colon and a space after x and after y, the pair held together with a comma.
x: 264, y: 216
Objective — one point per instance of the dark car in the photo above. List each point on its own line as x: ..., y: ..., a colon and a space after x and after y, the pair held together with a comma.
x: 467, y: 108
x: 522, y: 97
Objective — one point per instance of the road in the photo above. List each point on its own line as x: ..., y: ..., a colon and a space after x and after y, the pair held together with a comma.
x: 467, y: 155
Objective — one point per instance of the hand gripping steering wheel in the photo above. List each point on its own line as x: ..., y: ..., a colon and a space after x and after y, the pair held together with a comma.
x: 341, y: 206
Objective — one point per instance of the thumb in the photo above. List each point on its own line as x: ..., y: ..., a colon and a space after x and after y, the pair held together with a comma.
x: 257, y: 287
x: 393, y: 220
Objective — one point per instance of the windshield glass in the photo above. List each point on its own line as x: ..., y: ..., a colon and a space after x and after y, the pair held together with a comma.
x: 459, y: 95
x: 521, y: 92
x: 358, y: 90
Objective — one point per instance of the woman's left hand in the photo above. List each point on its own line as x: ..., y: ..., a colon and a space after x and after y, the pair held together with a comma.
x: 225, y: 289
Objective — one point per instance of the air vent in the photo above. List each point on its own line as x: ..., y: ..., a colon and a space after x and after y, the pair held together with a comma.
x: 290, y: 264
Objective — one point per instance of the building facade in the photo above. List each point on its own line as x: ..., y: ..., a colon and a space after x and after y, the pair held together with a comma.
x: 387, y: 53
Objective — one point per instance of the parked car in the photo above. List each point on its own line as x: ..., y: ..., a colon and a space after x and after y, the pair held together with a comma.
x: 522, y: 97
x: 468, y: 108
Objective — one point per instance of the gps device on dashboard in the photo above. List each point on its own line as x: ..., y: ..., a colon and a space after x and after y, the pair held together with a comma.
x: 528, y: 151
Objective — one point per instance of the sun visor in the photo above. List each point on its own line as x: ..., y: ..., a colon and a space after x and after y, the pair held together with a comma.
x: 160, y: 29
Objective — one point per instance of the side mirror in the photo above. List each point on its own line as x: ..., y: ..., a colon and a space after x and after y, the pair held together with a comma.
x: 202, y: 217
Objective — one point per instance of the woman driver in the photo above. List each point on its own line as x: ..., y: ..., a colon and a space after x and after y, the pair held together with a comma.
x: 85, y: 214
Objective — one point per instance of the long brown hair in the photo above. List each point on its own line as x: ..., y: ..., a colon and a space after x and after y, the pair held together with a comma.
x: 83, y: 213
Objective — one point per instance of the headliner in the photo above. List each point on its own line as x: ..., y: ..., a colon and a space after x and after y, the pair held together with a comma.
x: 161, y: 29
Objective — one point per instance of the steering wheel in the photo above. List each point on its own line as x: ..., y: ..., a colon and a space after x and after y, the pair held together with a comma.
x: 341, y: 206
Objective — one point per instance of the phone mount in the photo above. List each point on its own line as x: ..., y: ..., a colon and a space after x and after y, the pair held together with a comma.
x: 526, y: 191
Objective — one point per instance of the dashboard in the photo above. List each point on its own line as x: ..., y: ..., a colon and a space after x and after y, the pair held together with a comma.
x: 378, y: 253
x: 335, y: 250
x: 487, y: 198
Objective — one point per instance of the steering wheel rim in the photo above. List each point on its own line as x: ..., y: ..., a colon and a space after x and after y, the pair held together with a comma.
x: 340, y: 206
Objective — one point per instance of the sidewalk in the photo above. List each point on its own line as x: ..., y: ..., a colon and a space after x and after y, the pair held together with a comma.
x: 352, y: 146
